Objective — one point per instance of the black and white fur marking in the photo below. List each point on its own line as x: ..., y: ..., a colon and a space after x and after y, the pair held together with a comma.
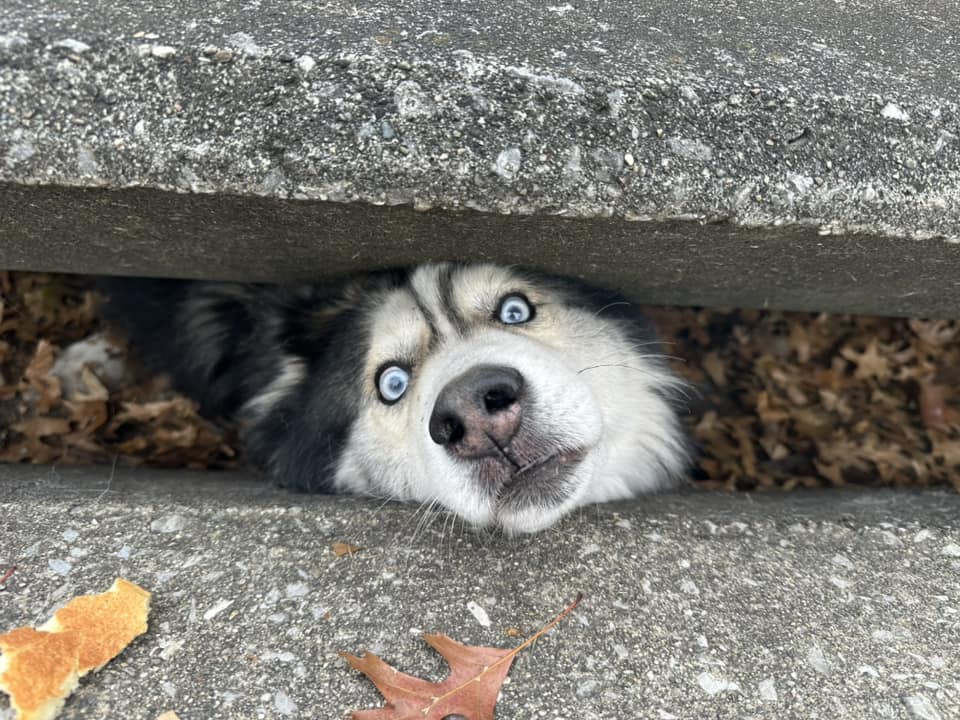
x: 504, y: 396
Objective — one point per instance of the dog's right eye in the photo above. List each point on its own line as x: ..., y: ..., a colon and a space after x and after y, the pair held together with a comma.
x: 392, y: 383
x: 515, y: 310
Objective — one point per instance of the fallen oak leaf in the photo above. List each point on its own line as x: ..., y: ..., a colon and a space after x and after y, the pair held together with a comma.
x: 870, y: 363
x: 463, y: 691
x: 469, y: 691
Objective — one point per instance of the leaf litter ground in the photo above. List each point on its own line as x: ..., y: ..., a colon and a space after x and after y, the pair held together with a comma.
x: 777, y: 400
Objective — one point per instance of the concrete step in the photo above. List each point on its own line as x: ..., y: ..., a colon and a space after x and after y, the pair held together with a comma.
x: 669, y: 149
x: 807, y: 605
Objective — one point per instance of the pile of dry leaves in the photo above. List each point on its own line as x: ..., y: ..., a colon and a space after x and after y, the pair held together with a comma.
x: 788, y: 399
x: 138, y: 419
x: 777, y: 399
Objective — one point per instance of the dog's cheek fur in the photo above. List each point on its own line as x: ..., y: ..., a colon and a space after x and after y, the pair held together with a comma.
x: 644, y: 446
x: 302, y: 435
x: 299, y: 445
x: 616, y: 352
x: 629, y: 320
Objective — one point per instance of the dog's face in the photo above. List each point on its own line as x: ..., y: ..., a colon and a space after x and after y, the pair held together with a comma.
x: 507, y: 399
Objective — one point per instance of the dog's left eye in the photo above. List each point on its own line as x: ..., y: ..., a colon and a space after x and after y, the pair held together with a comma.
x: 392, y: 383
x: 514, y: 310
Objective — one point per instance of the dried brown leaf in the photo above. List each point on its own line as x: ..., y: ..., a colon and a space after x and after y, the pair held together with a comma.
x: 39, y: 427
x: 715, y: 368
x: 88, y: 416
x: 38, y: 377
x: 934, y: 332
x: 871, y: 363
x: 471, y: 689
x: 176, y: 408
x: 96, y: 390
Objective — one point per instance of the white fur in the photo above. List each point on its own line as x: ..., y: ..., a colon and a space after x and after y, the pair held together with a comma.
x: 291, y: 373
x: 98, y: 352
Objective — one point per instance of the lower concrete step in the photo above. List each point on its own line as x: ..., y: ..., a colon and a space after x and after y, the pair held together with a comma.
x: 832, y: 604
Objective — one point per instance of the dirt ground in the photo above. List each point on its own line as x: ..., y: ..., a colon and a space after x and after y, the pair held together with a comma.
x: 777, y: 400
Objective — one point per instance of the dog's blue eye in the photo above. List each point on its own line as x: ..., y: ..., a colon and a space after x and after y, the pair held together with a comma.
x: 392, y: 383
x: 514, y: 309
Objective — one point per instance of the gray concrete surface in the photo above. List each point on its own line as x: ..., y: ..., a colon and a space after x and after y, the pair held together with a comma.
x: 826, y: 605
x: 674, y: 149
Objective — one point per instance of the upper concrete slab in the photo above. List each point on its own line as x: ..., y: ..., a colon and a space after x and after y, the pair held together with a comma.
x: 798, y: 606
x: 669, y: 148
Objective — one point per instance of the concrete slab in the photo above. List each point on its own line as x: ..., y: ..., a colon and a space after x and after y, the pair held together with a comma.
x: 671, y: 149
x: 826, y: 605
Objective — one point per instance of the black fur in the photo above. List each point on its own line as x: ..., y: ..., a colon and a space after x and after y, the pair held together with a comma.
x: 223, y: 344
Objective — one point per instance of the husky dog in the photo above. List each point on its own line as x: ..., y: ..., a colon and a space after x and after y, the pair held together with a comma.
x: 504, y: 396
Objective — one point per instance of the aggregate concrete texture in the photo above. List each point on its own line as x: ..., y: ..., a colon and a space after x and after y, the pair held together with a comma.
x: 824, y: 605
x: 671, y: 149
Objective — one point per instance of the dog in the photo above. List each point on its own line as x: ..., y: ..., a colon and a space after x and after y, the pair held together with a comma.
x: 505, y: 396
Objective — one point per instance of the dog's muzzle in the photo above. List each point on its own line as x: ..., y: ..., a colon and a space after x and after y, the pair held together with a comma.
x: 477, y: 414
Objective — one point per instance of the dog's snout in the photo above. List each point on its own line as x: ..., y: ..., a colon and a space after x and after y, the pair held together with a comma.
x: 478, y: 412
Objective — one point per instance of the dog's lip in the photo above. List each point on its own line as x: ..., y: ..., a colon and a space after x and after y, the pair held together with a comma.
x: 557, y: 457
x: 550, y: 473
x: 542, y: 465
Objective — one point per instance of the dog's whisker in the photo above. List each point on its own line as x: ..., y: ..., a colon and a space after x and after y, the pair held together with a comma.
x: 424, y: 515
x: 667, y: 382
x: 619, y: 365
x: 610, y: 305
x: 535, y: 464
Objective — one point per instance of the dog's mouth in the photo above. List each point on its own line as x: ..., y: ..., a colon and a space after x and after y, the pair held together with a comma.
x: 544, y: 480
x: 550, y: 464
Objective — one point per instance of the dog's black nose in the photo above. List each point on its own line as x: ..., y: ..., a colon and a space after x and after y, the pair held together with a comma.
x: 478, y: 411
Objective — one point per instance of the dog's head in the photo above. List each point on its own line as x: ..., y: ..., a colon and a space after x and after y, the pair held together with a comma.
x: 504, y: 396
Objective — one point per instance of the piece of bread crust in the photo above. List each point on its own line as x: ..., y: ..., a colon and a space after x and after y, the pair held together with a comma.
x: 106, y: 623
x: 38, y: 670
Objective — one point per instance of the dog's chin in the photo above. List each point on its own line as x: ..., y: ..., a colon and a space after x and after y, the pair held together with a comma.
x: 524, y: 520
x: 526, y: 502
